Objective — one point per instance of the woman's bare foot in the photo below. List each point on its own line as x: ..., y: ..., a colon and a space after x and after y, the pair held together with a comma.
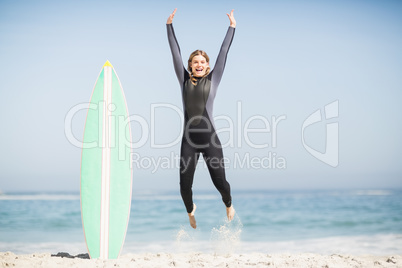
x: 230, y: 211
x: 192, y: 218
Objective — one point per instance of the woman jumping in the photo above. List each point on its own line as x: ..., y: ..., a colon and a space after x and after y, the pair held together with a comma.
x: 198, y: 86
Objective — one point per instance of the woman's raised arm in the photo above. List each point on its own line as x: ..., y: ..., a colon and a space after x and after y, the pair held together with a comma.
x: 219, y: 67
x: 175, y: 49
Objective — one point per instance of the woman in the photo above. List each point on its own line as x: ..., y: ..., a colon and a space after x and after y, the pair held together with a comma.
x: 198, y: 87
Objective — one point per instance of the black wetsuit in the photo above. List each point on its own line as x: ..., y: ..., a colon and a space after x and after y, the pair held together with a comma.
x: 199, y: 134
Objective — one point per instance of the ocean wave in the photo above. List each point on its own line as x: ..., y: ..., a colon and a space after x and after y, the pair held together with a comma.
x: 135, y: 196
x: 39, y: 197
x: 373, y: 192
x: 173, y: 197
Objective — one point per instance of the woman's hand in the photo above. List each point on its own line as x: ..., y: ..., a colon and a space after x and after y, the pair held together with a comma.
x: 232, y: 19
x: 171, y: 16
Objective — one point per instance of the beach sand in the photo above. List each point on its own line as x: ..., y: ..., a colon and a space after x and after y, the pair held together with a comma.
x: 194, y: 259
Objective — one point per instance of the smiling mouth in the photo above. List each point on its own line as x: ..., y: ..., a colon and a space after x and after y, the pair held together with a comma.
x: 199, y: 69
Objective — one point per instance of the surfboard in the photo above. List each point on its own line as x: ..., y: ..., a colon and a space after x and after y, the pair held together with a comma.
x: 106, y: 172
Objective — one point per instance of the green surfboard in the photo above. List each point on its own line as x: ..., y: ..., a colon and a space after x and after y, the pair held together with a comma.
x: 106, y: 172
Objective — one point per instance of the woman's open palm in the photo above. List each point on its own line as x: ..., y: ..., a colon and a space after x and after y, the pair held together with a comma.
x: 232, y: 19
x: 171, y: 16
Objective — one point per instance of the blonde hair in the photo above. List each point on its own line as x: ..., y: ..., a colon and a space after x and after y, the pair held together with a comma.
x: 196, y: 53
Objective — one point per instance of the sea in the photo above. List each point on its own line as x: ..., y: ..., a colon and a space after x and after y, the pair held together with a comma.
x: 303, y: 221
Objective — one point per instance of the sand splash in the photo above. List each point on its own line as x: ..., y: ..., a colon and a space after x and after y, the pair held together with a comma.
x: 224, y: 238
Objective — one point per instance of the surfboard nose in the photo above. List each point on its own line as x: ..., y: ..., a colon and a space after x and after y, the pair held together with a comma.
x: 107, y: 63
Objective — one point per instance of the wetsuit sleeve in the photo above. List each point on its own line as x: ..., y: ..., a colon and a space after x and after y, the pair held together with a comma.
x: 221, y: 60
x: 176, y: 54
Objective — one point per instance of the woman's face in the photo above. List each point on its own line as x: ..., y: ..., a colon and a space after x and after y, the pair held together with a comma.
x: 199, y: 66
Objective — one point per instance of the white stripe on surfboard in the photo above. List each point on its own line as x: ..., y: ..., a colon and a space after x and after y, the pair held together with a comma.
x: 105, y: 188
x: 109, y: 126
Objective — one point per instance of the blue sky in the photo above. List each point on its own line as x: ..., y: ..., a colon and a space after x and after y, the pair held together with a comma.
x: 288, y: 58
